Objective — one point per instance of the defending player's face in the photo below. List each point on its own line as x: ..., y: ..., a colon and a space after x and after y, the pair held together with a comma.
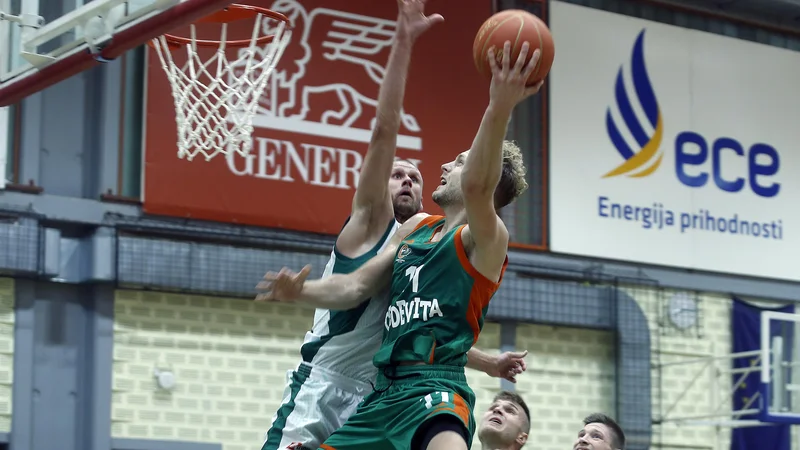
x: 503, y: 424
x: 405, y: 186
x: 449, y: 190
x: 594, y: 436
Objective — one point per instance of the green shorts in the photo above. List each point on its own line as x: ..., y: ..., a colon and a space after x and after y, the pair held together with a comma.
x: 389, y: 417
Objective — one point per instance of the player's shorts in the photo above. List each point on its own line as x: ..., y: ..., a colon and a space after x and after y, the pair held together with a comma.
x: 390, y: 417
x: 316, y: 402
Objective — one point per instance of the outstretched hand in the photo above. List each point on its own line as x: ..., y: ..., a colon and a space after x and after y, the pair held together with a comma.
x: 284, y: 286
x: 411, y: 19
x: 509, y: 364
x: 509, y: 84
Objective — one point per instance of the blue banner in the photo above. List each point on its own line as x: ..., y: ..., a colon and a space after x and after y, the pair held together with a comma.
x: 746, y: 336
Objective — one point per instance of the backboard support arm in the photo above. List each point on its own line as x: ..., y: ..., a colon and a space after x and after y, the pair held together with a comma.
x: 131, y: 31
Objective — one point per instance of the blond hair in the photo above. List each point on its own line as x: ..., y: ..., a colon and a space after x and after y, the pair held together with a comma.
x: 512, y: 181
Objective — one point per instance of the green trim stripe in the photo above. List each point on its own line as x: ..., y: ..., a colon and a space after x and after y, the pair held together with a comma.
x: 275, y: 433
x: 341, y: 322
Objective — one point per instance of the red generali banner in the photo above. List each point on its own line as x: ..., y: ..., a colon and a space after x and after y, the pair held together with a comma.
x: 314, y: 121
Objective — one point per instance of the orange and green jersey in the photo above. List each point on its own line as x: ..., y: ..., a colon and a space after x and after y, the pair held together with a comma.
x: 438, y: 300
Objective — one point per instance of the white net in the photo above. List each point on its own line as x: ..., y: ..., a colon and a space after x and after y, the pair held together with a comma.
x: 216, y: 99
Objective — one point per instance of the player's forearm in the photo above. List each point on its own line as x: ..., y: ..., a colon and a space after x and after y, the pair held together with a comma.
x: 338, y: 292
x: 478, y: 360
x: 393, y: 88
x: 484, y: 164
x: 377, y: 166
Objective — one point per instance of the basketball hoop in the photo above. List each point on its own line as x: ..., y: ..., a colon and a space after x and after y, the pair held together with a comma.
x: 216, y: 99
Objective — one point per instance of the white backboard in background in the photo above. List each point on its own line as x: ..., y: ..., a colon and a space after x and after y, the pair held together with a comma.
x: 65, y: 23
x: 690, y: 159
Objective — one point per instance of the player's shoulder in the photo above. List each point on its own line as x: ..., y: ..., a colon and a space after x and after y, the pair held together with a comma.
x: 500, y: 236
x: 414, y: 222
x: 410, y: 225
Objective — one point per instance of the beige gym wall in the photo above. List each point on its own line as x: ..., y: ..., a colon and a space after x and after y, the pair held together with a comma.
x: 230, y: 357
x: 6, y: 351
x: 571, y: 373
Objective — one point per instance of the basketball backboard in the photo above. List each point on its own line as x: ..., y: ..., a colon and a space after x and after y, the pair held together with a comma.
x: 780, y: 368
x: 744, y: 389
x: 45, y: 41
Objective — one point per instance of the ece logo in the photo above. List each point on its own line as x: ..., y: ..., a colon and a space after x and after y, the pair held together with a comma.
x: 695, y: 160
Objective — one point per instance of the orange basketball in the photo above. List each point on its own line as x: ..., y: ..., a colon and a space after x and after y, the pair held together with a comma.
x: 515, y: 26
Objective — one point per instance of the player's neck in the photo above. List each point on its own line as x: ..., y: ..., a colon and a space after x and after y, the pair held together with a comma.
x: 454, y: 216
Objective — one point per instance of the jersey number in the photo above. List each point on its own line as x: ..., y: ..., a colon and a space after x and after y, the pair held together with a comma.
x: 413, y: 273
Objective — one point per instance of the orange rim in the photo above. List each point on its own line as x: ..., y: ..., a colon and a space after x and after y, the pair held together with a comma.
x: 232, y: 13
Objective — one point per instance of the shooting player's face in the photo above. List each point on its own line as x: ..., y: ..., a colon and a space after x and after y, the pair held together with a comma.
x: 449, y: 190
x: 405, y: 186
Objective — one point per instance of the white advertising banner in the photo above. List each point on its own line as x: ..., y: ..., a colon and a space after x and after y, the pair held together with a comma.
x: 673, y: 147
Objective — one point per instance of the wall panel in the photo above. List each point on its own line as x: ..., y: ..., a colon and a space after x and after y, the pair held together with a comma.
x: 571, y: 373
x: 6, y: 351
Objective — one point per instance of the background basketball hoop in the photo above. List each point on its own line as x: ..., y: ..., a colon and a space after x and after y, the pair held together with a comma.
x: 216, y: 96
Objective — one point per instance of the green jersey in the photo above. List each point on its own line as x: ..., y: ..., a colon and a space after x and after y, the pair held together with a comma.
x: 345, y: 341
x: 438, y: 300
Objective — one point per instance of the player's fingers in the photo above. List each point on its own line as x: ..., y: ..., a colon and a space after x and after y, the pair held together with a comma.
x: 533, y: 63
x: 295, y: 284
x: 534, y: 89
x: 518, y: 354
x: 283, y: 273
x: 263, y: 285
x: 301, y: 277
x: 537, y: 54
x: 506, y: 56
x: 490, y: 55
x: 435, y: 18
x: 522, y: 366
x: 277, y: 280
x: 519, y: 65
x: 270, y: 276
x: 281, y: 283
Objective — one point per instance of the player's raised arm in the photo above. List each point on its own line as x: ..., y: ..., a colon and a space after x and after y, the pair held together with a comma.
x: 337, y: 291
x: 483, y: 167
x: 372, y: 203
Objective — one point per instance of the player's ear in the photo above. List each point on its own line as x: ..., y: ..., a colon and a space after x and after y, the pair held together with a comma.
x: 522, y: 438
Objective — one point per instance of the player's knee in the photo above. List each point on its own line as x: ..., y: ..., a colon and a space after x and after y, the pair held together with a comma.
x: 441, y: 433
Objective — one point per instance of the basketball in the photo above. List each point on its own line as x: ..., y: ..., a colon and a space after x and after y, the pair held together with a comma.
x: 515, y: 26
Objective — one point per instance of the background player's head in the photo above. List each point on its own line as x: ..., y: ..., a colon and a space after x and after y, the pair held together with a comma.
x: 506, y: 423
x: 600, y: 432
x: 405, y: 185
x: 511, y: 185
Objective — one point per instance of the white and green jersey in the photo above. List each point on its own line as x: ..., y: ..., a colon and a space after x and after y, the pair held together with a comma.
x: 346, y: 341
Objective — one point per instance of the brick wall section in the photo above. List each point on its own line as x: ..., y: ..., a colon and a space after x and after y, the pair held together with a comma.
x: 570, y: 374
x: 710, y: 393
x: 229, y: 357
x: 6, y: 351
